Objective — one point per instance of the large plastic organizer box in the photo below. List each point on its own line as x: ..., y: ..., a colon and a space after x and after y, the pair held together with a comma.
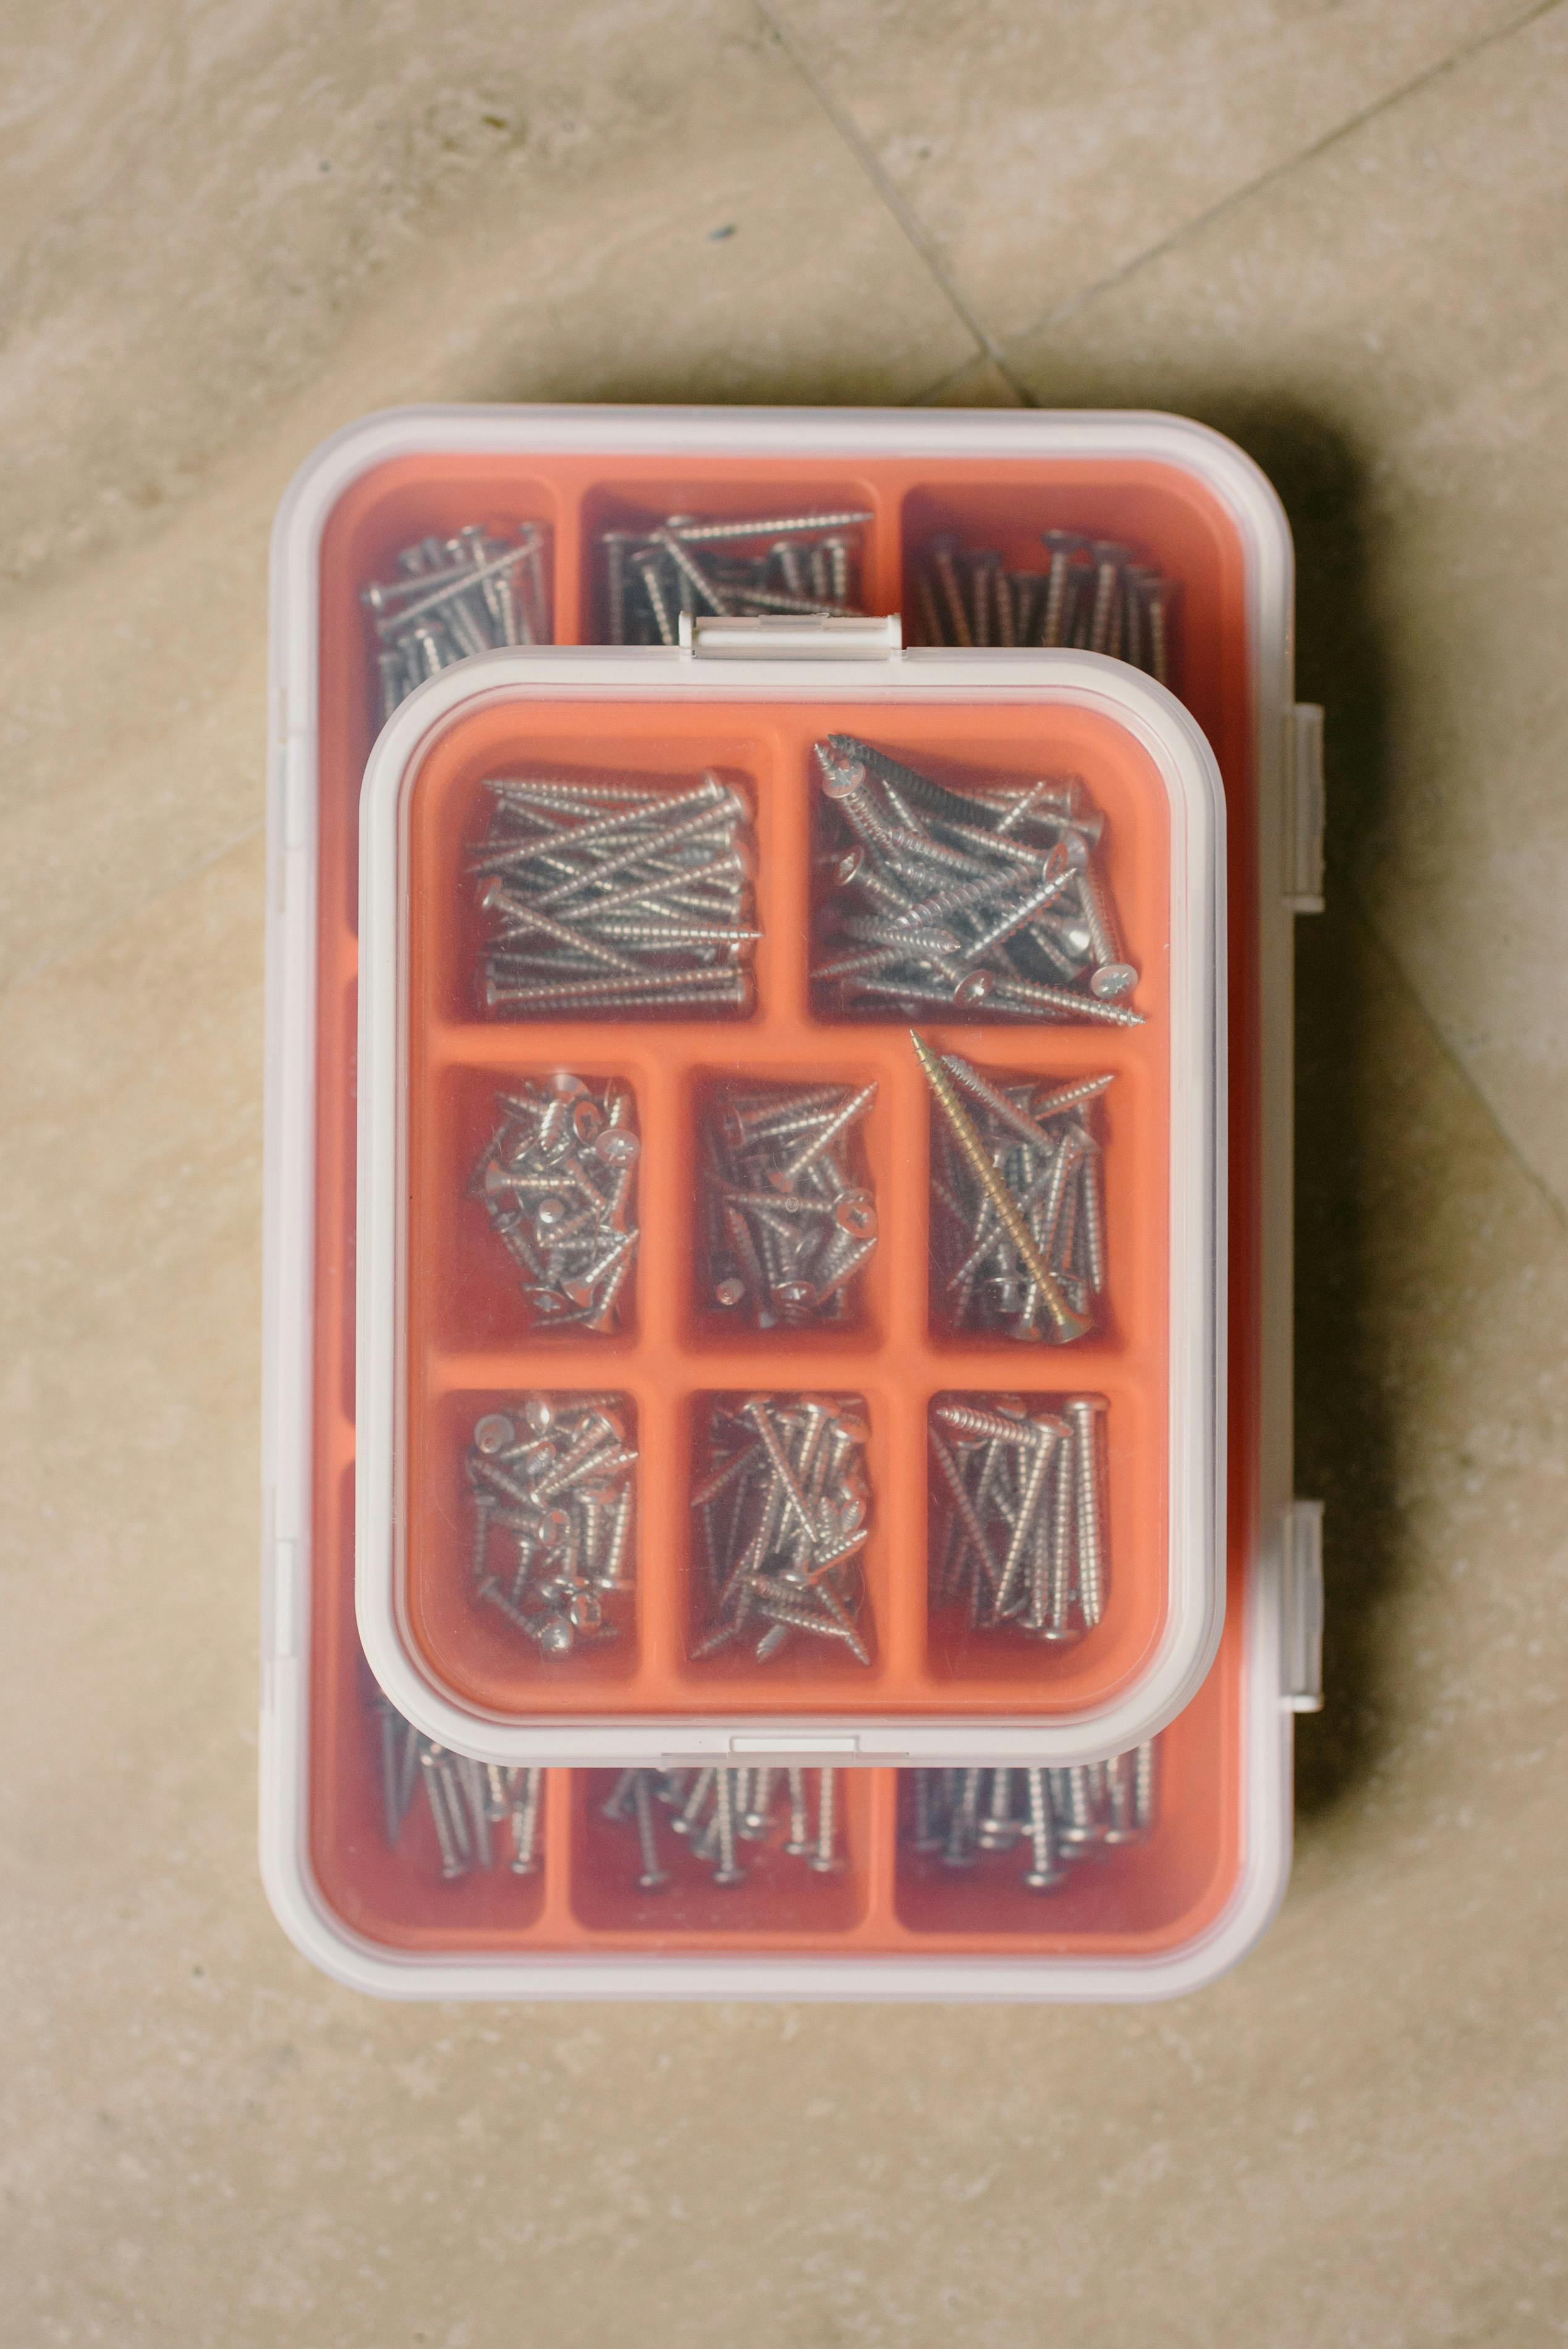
x: 448, y: 1340
x: 1187, y: 1896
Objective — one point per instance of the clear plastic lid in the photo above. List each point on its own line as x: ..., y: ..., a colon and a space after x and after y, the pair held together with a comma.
x: 791, y: 1085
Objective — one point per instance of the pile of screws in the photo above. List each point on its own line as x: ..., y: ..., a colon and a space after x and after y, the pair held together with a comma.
x: 781, y: 1500
x: 712, y: 1811
x: 1018, y: 1513
x: 1093, y: 595
x: 550, y: 1485
x: 556, y: 1178
x: 786, y: 1229
x: 1018, y: 1221
x: 453, y: 596
x: 1052, y: 1819
x: 615, y: 897
x: 984, y: 900
x: 741, y: 566
x: 466, y: 1800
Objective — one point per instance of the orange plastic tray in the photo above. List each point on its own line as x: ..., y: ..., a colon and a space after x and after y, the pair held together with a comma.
x: 1184, y: 1878
x: 469, y: 1342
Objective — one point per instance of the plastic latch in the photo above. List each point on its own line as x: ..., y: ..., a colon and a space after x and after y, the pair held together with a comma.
x: 790, y: 635
x: 1302, y: 1662
x: 1304, y: 813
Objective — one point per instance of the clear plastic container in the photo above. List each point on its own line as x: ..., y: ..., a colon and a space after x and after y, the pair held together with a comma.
x: 479, y: 1603
x: 1200, y: 512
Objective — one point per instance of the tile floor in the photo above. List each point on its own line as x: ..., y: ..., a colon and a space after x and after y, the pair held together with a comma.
x: 1336, y: 233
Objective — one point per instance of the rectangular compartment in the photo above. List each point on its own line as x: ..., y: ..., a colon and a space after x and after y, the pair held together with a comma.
x: 1149, y: 1336
x: 1204, y: 513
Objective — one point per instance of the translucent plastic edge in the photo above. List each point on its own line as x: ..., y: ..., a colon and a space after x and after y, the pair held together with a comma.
x: 1263, y: 1777
x: 1194, y: 1615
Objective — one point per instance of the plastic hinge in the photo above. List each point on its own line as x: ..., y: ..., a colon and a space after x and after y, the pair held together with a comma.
x: 1304, y: 813
x: 807, y: 636
x: 1301, y: 1664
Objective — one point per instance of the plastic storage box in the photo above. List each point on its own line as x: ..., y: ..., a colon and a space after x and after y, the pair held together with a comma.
x: 1194, y: 1890
x: 450, y: 1344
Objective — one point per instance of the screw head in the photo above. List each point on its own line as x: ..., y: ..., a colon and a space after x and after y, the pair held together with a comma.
x: 617, y: 1146
x: 1111, y: 980
x: 730, y: 1292
x: 556, y: 1635
x: 856, y: 1213
x: 494, y: 1432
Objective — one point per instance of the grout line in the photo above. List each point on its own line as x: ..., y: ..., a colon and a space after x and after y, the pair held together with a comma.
x: 54, y: 957
x: 1537, y: 1181
x: 1239, y: 196
x: 907, y: 219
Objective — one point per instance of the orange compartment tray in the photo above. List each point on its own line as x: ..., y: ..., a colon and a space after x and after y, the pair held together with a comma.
x: 445, y: 1336
x: 348, y: 1899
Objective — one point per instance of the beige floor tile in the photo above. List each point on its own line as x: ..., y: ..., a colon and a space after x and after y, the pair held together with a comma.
x: 1041, y: 151
x: 564, y: 254
x: 1354, y: 2140
x: 203, y: 217
x: 1383, y: 329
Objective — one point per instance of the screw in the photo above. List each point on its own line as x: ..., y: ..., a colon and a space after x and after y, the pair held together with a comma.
x: 788, y: 1556
x: 783, y: 1235
x: 1069, y: 1324
x: 525, y: 1858
x: 653, y: 1878
x: 452, y: 600
x: 1009, y: 1482
x: 1085, y: 1414
x: 1045, y: 1871
x: 959, y: 896
x: 824, y: 1859
x: 571, y: 1517
x: 649, y: 573
x: 728, y: 1872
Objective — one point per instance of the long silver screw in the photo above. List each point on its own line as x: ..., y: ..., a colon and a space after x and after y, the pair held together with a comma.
x: 824, y: 1859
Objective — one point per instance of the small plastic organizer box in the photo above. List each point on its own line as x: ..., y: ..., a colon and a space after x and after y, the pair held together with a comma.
x: 782, y: 1316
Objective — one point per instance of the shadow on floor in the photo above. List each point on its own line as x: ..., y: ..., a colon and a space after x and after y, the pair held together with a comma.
x: 1343, y: 1440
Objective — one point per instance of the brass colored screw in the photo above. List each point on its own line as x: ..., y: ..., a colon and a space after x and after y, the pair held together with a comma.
x: 1069, y: 1324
